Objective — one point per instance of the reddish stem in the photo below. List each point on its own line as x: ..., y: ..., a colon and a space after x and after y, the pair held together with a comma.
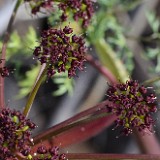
x: 112, y: 156
x: 81, y: 115
x: 78, y: 131
x: 3, y: 52
x: 145, y: 141
x: 103, y: 70
x: 148, y: 142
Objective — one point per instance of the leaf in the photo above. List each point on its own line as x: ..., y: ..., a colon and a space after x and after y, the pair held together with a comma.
x: 107, y: 3
x: 19, y: 45
x: 64, y: 84
x: 157, y: 69
x: 62, y: 90
x: 153, y: 21
x: 107, y: 24
x: 30, y: 38
x: 27, y: 83
x: 13, y: 45
x: 153, y: 52
x: 59, y: 80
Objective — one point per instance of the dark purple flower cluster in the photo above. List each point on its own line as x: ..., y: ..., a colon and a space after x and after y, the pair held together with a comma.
x: 4, y: 71
x: 61, y: 51
x: 15, y: 134
x: 37, y: 4
x: 48, y: 154
x: 133, y: 104
x: 81, y: 9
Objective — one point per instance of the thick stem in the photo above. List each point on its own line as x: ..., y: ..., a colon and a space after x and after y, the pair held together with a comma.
x: 3, y: 52
x: 72, y: 125
x: 147, y: 142
x: 71, y: 120
x: 33, y: 93
x: 112, y: 156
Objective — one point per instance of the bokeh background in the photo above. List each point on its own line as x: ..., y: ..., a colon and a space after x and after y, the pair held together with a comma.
x: 129, y: 30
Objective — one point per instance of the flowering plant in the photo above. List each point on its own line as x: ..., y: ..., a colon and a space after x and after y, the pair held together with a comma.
x: 61, y: 49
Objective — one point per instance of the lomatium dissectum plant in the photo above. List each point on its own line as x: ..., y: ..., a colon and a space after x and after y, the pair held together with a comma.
x: 60, y: 50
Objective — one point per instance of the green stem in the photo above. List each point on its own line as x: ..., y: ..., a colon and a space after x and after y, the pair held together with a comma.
x: 3, y: 51
x: 109, y: 59
x: 33, y: 93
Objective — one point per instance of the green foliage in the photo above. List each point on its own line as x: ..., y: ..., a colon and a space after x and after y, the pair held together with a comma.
x: 126, y: 5
x: 109, y: 59
x: 107, y: 3
x: 53, y: 19
x: 21, y: 45
x: 154, y: 53
x: 153, y: 50
x: 27, y: 83
x: 153, y: 21
x: 64, y: 84
x: 20, y: 48
x: 61, y: 80
x: 98, y: 27
x: 106, y: 25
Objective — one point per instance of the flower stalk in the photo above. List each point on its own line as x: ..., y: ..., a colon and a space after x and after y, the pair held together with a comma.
x: 102, y: 69
x: 112, y: 156
x: 71, y: 121
x: 3, y: 51
x: 34, y: 92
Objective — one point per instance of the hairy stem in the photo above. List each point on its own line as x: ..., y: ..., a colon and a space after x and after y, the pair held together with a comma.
x: 3, y: 51
x: 34, y: 92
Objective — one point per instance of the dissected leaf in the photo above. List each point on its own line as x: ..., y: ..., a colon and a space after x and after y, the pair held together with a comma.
x: 153, y: 21
x: 105, y: 26
x: 153, y: 52
x: 64, y: 84
x: 27, y: 83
